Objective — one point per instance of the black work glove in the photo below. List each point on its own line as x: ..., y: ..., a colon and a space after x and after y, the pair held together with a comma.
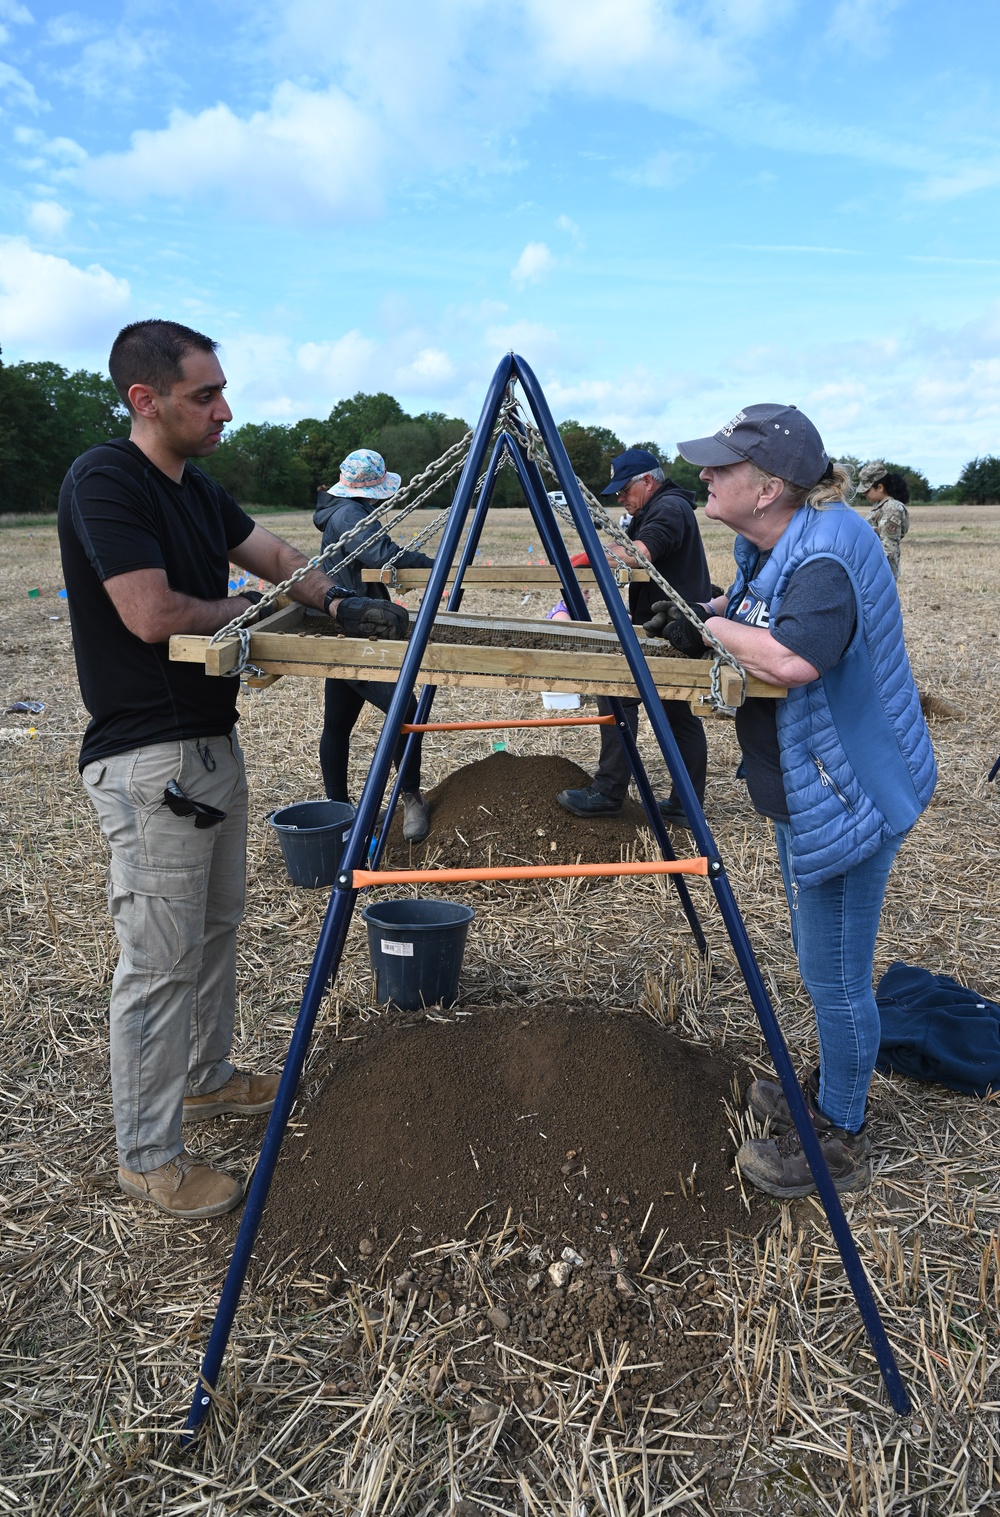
x: 663, y: 615
x: 362, y: 617
x: 255, y: 597
x: 680, y: 633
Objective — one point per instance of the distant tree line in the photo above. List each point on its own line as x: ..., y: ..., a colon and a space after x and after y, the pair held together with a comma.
x: 49, y: 416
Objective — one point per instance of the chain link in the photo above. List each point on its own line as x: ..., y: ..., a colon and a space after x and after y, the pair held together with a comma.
x: 250, y: 617
x: 511, y: 419
x: 538, y: 453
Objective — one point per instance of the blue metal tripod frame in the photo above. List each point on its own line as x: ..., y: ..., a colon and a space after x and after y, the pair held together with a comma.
x: 326, y: 960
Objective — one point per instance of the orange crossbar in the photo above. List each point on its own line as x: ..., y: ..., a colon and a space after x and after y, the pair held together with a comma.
x: 538, y: 721
x: 360, y: 879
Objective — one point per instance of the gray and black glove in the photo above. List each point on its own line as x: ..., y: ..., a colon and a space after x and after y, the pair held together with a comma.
x: 663, y: 615
x: 362, y: 617
x: 255, y: 597
x: 677, y: 630
x: 680, y: 633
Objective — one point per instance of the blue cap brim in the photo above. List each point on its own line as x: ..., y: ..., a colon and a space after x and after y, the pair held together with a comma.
x: 709, y: 453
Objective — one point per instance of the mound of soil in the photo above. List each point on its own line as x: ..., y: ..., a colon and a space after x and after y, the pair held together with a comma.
x: 571, y: 1128
x: 503, y: 810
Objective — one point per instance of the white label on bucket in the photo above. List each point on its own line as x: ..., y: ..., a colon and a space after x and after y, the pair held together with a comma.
x: 400, y: 950
x: 345, y: 835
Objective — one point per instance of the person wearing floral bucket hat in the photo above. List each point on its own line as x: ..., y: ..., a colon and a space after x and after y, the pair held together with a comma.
x: 889, y: 496
x: 365, y: 480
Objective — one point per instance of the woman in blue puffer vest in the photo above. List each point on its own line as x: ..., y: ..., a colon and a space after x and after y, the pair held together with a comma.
x: 843, y: 765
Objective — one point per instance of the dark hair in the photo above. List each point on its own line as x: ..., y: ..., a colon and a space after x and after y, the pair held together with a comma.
x: 896, y: 486
x: 151, y: 353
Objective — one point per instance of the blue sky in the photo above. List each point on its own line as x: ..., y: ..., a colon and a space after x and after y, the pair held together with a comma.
x: 670, y: 208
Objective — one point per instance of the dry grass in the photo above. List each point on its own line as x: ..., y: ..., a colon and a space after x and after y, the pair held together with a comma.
x: 338, y: 1400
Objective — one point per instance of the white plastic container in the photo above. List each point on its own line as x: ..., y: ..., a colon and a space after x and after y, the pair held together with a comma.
x: 556, y: 700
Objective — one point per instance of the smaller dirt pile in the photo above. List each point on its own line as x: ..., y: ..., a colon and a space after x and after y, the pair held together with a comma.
x: 503, y: 810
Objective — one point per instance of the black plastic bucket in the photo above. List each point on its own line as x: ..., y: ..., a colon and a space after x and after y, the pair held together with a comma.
x: 312, y: 836
x: 416, y: 950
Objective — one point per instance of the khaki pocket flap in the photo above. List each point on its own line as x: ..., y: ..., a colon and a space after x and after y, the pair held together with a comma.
x: 155, y: 880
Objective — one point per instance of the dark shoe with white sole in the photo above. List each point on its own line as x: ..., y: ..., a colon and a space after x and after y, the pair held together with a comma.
x: 588, y: 803
x: 673, y: 813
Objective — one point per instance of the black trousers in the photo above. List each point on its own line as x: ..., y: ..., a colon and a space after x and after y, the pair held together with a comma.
x: 342, y: 703
x: 613, y: 771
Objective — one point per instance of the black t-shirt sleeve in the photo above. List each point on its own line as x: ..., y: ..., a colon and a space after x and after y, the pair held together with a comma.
x: 121, y: 530
x: 116, y: 524
x: 818, y: 614
x: 236, y: 524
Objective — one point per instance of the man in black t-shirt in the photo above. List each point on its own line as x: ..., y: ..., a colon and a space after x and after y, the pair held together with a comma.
x: 663, y: 525
x: 146, y: 541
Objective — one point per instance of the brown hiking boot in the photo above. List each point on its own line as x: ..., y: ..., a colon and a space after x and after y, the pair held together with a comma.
x: 244, y: 1095
x: 779, y: 1167
x: 184, y: 1188
x: 767, y: 1100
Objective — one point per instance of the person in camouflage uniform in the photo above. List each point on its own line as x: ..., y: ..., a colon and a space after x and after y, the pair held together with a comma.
x: 888, y: 495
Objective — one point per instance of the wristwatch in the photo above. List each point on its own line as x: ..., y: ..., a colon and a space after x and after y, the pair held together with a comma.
x: 335, y: 592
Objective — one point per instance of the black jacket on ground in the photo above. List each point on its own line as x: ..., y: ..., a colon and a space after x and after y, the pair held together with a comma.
x: 669, y: 529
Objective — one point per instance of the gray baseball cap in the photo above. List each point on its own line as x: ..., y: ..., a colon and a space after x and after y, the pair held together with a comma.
x: 776, y: 438
x: 870, y: 475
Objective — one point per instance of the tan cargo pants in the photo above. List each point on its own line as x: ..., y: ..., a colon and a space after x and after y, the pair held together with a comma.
x: 176, y: 894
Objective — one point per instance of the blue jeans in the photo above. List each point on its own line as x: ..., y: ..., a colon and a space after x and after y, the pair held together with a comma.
x: 834, y: 927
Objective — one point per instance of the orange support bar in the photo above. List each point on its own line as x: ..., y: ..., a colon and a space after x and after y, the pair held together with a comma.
x: 538, y: 721
x: 361, y: 879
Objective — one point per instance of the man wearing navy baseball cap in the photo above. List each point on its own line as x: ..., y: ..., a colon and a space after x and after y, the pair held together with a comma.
x: 664, y: 528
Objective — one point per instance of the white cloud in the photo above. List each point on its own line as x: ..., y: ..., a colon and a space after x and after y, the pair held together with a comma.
x: 47, y: 218
x: 347, y: 364
x: 568, y: 225
x: 862, y: 26
x: 49, y: 305
x: 430, y: 367
x: 538, y: 344
x: 17, y: 90
x: 535, y: 261
x: 310, y: 155
x: 665, y: 170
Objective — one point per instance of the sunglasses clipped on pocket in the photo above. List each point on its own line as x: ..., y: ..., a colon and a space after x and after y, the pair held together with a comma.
x: 182, y: 805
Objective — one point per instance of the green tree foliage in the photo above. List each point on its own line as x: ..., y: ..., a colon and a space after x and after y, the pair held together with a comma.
x: 919, y: 485
x: 260, y: 463
x: 590, y: 451
x: 688, y: 477
x: 47, y: 418
x: 979, y: 482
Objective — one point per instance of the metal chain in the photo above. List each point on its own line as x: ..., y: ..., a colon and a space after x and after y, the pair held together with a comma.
x: 510, y: 418
x: 538, y: 453
x: 252, y: 615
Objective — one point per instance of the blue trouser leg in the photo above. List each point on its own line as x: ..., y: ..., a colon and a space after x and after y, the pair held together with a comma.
x: 834, y: 927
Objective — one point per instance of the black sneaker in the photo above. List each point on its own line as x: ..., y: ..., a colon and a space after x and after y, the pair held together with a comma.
x: 779, y: 1167
x: 673, y: 812
x: 588, y: 802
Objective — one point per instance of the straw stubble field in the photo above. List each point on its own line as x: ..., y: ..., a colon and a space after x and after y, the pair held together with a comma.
x: 368, y: 1385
